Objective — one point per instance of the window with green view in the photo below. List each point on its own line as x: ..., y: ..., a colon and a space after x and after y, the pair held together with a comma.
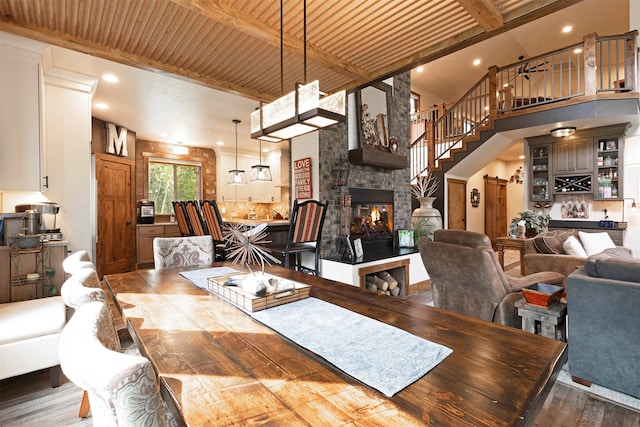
x: 171, y: 180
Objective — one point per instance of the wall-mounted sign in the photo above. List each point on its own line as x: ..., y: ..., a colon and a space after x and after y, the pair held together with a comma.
x: 302, y: 178
x: 116, y: 141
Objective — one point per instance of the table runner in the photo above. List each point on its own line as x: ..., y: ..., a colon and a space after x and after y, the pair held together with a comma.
x: 199, y: 277
x: 382, y: 356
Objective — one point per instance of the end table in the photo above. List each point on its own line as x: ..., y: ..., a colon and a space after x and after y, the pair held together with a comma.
x: 551, y: 319
x: 504, y: 243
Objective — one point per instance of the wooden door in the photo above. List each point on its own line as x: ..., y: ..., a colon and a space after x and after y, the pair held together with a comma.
x: 116, y: 215
x: 495, y: 208
x: 456, y: 204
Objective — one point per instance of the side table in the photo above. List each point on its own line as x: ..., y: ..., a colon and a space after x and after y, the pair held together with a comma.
x: 504, y: 243
x: 551, y: 319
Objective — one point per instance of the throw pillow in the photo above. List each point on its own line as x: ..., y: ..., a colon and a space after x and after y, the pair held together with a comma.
x: 548, y: 244
x: 573, y: 247
x: 594, y: 243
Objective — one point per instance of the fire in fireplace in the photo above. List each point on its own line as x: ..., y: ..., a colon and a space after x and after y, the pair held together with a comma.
x: 371, y: 213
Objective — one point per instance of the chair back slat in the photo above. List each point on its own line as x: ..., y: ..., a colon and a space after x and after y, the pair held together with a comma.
x: 212, y: 217
x: 181, y: 219
x: 308, y: 219
x: 195, y: 219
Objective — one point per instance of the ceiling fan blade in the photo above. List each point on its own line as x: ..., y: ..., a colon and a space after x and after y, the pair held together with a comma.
x: 526, y: 76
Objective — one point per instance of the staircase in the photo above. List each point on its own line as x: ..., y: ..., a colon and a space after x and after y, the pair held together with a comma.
x: 594, y: 67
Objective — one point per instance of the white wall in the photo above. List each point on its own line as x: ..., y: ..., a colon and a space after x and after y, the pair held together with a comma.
x: 302, y: 147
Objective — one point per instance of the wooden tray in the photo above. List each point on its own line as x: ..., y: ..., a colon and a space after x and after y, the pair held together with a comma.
x: 542, y: 294
x: 251, y: 303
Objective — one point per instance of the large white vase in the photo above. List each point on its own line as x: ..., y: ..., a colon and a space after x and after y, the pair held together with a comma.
x: 428, y: 213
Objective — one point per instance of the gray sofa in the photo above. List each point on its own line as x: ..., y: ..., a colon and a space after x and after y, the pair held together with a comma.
x: 603, y: 308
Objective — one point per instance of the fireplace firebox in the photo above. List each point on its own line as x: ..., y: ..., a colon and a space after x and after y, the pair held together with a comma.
x: 371, y: 214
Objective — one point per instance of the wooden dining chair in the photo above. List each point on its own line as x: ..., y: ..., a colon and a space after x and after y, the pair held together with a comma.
x: 305, y: 234
x: 194, y: 218
x: 213, y: 220
x: 181, y: 219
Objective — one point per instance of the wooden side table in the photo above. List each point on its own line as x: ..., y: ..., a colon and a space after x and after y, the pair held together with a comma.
x: 551, y: 319
x: 504, y: 243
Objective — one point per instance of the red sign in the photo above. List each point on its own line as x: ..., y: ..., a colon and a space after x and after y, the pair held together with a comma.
x: 302, y: 178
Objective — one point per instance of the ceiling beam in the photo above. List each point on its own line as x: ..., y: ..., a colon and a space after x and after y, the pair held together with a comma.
x: 221, y: 12
x: 516, y: 18
x: 484, y: 12
x: 81, y: 45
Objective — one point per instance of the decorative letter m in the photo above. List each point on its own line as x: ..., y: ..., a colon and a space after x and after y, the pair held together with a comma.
x: 116, y: 143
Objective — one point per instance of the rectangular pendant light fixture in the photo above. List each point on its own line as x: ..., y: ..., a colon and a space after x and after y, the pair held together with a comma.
x: 298, y: 113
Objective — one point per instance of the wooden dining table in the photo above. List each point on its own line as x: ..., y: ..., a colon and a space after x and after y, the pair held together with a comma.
x: 218, y: 366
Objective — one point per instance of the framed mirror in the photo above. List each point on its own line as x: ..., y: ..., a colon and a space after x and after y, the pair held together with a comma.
x: 372, y: 106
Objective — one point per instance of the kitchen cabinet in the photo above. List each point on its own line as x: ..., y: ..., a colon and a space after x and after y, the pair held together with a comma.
x: 609, y: 170
x: 540, y: 173
x: 253, y: 191
x: 145, y: 233
x: 573, y: 156
x: 16, y: 284
x: 21, y: 151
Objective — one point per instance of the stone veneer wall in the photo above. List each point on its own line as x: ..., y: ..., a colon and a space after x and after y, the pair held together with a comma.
x: 146, y: 149
x: 333, y: 143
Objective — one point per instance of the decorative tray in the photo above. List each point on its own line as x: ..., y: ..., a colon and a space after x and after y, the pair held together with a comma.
x: 286, y: 291
x: 542, y: 294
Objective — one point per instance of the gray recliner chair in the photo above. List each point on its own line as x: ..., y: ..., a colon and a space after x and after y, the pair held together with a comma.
x: 466, y: 277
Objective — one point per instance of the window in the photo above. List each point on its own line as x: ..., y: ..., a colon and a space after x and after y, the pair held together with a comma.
x: 171, y: 180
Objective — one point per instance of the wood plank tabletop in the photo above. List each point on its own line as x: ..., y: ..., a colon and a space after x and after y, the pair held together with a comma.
x: 221, y: 367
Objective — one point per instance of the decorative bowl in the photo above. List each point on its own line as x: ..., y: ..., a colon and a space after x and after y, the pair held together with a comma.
x: 542, y: 294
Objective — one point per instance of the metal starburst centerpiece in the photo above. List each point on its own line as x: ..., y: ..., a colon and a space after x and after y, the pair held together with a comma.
x: 246, y: 244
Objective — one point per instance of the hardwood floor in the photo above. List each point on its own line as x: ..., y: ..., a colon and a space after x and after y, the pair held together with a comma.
x: 28, y: 400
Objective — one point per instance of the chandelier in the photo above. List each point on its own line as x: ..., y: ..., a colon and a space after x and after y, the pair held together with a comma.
x: 302, y: 111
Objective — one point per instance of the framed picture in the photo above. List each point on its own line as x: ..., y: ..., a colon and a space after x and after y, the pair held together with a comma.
x: 405, y: 239
x: 610, y: 145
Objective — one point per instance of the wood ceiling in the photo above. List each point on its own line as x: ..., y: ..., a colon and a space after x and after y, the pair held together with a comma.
x: 234, y: 45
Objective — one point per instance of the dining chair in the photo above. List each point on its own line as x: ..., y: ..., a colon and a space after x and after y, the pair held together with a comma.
x: 122, y: 388
x: 213, y: 220
x: 305, y: 234
x: 182, y: 219
x: 198, y: 226
x: 170, y: 252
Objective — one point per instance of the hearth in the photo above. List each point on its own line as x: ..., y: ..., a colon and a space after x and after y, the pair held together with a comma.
x: 371, y: 214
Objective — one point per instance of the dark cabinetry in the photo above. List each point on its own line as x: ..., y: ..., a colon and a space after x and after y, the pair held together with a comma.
x: 573, y: 156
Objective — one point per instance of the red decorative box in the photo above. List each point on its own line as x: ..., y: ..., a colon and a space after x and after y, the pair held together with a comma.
x: 542, y: 294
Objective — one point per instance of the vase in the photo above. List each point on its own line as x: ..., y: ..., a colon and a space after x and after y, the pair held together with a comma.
x: 426, y: 212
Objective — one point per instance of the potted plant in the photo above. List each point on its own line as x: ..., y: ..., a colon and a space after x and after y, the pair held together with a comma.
x: 423, y: 228
x: 535, y: 223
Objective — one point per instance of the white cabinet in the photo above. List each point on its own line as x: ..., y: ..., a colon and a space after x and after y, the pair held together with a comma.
x: 20, y: 119
x: 253, y: 191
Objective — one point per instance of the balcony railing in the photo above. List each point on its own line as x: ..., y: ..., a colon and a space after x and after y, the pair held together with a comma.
x: 597, y: 64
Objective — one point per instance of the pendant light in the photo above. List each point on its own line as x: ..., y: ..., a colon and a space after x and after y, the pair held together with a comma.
x: 236, y: 176
x: 260, y: 172
x: 301, y: 111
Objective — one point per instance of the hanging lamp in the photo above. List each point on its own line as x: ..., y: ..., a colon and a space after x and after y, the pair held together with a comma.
x: 236, y: 176
x: 301, y: 111
x: 260, y: 172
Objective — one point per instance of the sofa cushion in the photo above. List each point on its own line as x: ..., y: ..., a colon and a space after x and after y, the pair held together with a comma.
x: 573, y: 247
x: 590, y: 265
x: 595, y: 243
x: 613, y: 263
x: 550, y: 242
x: 33, y: 318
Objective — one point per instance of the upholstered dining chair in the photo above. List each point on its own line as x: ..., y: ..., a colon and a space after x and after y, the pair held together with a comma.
x: 76, y: 261
x: 122, y: 388
x: 170, y: 252
x: 181, y: 218
x: 305, y: 234
x: 466, y: 277
x: 213, y: 219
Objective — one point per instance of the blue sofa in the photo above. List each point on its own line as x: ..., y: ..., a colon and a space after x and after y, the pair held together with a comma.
x: 603, y: 309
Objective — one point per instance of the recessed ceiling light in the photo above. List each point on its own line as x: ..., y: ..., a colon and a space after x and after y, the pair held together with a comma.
x: 420, y: 69
x: 220, y: 143
x: 521, y: 157
x: 111, y: 78
x: 164, y: 134
x: 265, y: 150
x: 567, y: 29
x: 577, y: 50
x: 476, y: 62
x: 101, y: 105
